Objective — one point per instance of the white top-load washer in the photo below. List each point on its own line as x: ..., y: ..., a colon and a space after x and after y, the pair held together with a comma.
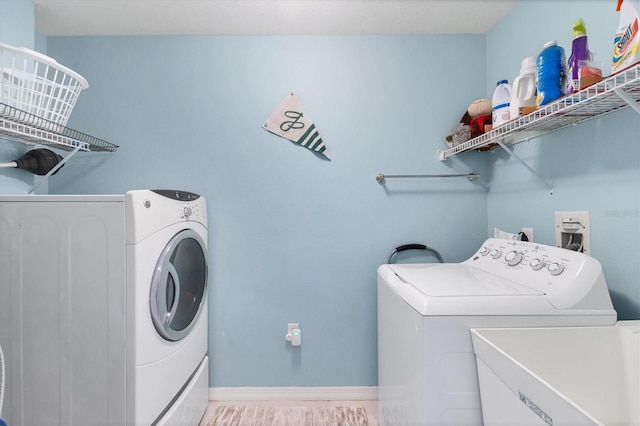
x: 426, y: 365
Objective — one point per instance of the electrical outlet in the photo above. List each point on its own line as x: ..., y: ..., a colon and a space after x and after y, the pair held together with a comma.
x: 294, y: 334
x: 529, y: 233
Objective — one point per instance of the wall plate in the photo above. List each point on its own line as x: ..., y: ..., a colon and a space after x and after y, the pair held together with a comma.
x: 573, y: 229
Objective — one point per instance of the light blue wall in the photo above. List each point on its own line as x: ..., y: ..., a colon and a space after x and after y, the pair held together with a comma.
x: 16, y: 29
x: 297, y: 239
x: 293, y: 238
x: 594, y: 166
x: 17, y: 22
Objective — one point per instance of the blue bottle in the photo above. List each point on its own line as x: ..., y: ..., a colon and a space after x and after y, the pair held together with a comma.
x: 550, y: 73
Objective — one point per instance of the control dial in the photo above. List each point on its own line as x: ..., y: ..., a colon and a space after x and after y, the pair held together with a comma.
x: 537, y: 264
x: 484, y: 251
x: 513, y: 258
x: 187, y: 211
x: 556, y: 268
x: 495, y: 253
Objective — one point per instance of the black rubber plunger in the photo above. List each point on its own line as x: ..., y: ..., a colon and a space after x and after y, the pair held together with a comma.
x: 37, y: 161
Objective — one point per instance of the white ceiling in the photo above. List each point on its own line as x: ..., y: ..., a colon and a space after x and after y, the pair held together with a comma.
x: 178, y: 17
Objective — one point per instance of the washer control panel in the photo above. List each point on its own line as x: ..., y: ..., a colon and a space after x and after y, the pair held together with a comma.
x: 545, y: 268
x: 526, y: 255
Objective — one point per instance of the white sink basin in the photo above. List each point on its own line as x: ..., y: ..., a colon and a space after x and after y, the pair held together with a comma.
x: 560, y: 375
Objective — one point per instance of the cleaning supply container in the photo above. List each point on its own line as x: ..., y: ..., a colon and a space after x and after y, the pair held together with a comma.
x: 550, y: 73
x: 523, y: 91
x: 626, y: 43
x: 579, y: 53
x: 500, y: 103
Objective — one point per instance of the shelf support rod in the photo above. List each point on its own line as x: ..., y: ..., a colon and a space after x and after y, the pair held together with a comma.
x: 628, y: 99
x: 57, y: 166
x: 471, y: 176
x: 538, y: 175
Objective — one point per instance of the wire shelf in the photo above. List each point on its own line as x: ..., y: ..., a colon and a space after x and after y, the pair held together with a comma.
x: 611, y: 94
x: 24, y: 127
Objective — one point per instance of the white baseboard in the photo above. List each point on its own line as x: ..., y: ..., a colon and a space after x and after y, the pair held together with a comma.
x: 337, y: 393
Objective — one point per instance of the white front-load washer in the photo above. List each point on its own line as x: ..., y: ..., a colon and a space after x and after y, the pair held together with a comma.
x: 426, y: 366
x: 103, y: 304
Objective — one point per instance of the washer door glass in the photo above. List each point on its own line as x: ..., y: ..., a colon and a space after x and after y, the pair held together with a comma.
x: 179, y: 285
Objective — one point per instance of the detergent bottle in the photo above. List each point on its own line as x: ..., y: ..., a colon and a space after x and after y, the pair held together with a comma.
x: 550, y: 73
x: 626, y: 43
x: 523, y: 90
x: 500, y: 103
x: 579, y: 52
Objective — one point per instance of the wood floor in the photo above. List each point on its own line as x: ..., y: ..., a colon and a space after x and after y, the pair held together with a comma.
x: 371, y: 407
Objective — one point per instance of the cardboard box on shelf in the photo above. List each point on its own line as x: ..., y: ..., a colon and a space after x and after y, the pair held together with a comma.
x: 527, y: 110
x: 589, y: 80
x: 589, y: 75
x: 524, y: 110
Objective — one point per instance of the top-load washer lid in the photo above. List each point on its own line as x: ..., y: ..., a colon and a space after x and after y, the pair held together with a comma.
x: 458, y: 280
x: 505, y: 277
x: 462, y: 290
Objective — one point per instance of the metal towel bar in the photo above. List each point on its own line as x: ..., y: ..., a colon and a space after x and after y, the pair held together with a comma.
x: 471, y: 176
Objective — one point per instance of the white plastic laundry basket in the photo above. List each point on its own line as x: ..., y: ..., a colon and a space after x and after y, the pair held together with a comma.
x: 37, y: 84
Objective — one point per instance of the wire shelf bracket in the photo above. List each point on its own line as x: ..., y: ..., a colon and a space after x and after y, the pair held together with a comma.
x: 538, y: 175
x: 628, y: 99
x: 44, y: 178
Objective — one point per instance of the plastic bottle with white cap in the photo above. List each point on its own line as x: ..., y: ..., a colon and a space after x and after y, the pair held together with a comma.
x: 550, y: 73
x: 523, y: 91
x: 500, y: 103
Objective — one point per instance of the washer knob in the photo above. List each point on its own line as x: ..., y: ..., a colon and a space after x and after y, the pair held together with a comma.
x: 537, y: 264
x: 495, y: 253
x: 484, y: 251
x: 513, y: 258
x: 187, y: 211
x: 556, y: 268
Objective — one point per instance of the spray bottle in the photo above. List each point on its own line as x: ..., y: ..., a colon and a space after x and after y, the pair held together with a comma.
x: 579, y: 52
x: 626, y: 44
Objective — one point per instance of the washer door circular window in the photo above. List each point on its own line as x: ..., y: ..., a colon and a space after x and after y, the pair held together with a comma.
x: 179, y: 285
